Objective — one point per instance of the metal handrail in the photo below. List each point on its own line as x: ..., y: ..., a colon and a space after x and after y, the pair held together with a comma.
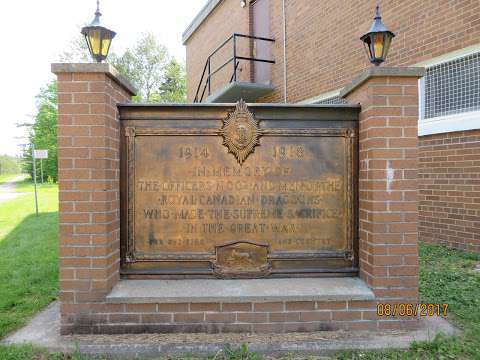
x: 207, y: 70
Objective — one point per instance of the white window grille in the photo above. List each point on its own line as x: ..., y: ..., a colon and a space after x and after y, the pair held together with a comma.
x: 452, y: 87
x: 450, y: 96
x: 332, y: 101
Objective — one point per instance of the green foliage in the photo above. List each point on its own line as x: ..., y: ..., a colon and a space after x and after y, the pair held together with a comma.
x: 158, y: 78
x: 29, y: 256
x: 447, y: 276
x: 43, y: 134
x: 174, y: 85
x: 13, y: 352
x: 9, y: 165
x: 77, y: 51
x: 29, y: 352
x: 441, y: 347
x: 241, y: 352
x: 147, y: 65
x: 144, y: 65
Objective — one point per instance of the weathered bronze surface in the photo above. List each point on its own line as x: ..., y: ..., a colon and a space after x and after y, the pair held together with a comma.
x: 282, y: 205
x: 242, y: 259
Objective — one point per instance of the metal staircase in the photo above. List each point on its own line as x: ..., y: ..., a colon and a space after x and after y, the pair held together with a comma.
x: 233, y: 87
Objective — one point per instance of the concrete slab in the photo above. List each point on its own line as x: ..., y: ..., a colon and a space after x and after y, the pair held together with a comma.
x: 237, y: 90
x: 235, y: 291
x: 43, y: 331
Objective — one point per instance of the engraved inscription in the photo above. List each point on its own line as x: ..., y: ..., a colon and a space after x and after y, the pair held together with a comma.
x: 189, y: 152
x: 191, y: 197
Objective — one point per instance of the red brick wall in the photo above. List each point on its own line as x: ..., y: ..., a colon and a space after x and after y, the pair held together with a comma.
x: 323, y: 48
x: 449, y: 189
x: 271, y: 317
x: 89, y: 173
x: 388, y: 207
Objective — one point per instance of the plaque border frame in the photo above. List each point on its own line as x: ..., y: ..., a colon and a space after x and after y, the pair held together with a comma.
x: 350, y: 135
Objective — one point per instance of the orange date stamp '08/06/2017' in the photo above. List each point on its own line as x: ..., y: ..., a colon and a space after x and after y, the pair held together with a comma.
x: 407, y: 309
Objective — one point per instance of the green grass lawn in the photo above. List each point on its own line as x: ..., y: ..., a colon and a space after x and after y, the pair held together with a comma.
x: 446, y: 276
x: 29, y: 265
x: 29, y: 255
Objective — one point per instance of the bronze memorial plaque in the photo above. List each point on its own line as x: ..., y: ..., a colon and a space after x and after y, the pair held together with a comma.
x: 238, y: 200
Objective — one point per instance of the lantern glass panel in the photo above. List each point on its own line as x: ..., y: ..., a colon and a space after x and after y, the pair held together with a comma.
x: 368, y: 49
x: 378, y: 45
x: 106, y: 42
x: 94, y: 40
x: 106, y: 45
x: 388, y: 41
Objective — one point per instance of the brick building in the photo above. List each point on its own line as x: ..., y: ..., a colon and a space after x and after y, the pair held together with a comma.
x: 316, y: 51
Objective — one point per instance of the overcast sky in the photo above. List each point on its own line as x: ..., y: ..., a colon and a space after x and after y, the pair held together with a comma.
x: 35, y: 32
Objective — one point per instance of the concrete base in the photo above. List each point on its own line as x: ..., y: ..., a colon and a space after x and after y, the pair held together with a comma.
x: 239, y: 291
x: 43, y: 331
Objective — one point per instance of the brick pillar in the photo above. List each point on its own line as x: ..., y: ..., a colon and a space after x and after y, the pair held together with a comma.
x: 388, y: 205
x: 89, y: 173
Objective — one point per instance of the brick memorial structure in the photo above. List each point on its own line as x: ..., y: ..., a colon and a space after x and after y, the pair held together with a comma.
x: 106, y: 288
x: 89, y: 192
x: 388, y: 195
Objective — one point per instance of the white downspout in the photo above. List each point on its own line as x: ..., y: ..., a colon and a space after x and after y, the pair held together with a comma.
x: 285, y: 94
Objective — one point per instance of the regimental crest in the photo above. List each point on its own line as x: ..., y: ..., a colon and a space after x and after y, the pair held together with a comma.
x: 241, y: 132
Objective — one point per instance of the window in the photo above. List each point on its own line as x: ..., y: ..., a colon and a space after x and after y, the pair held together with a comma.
x: 453, y: 87
x: 450, y: 96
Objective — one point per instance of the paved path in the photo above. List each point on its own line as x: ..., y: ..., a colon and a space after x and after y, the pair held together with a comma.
x: 7, y: 190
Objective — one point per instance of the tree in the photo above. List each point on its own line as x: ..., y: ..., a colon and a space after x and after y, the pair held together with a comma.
x: 77, y: 52
x: 148, y: 66
x: 174, y: 85
x: 157, y: 76
x: 144, y: 66
x: 43, y: 133
x: 9, y: 165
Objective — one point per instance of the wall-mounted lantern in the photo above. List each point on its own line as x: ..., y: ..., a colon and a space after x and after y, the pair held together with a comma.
x: 98, y: 38
x: 377, y: 40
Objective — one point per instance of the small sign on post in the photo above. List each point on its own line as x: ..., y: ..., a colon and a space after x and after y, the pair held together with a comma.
x: 41, y: 154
